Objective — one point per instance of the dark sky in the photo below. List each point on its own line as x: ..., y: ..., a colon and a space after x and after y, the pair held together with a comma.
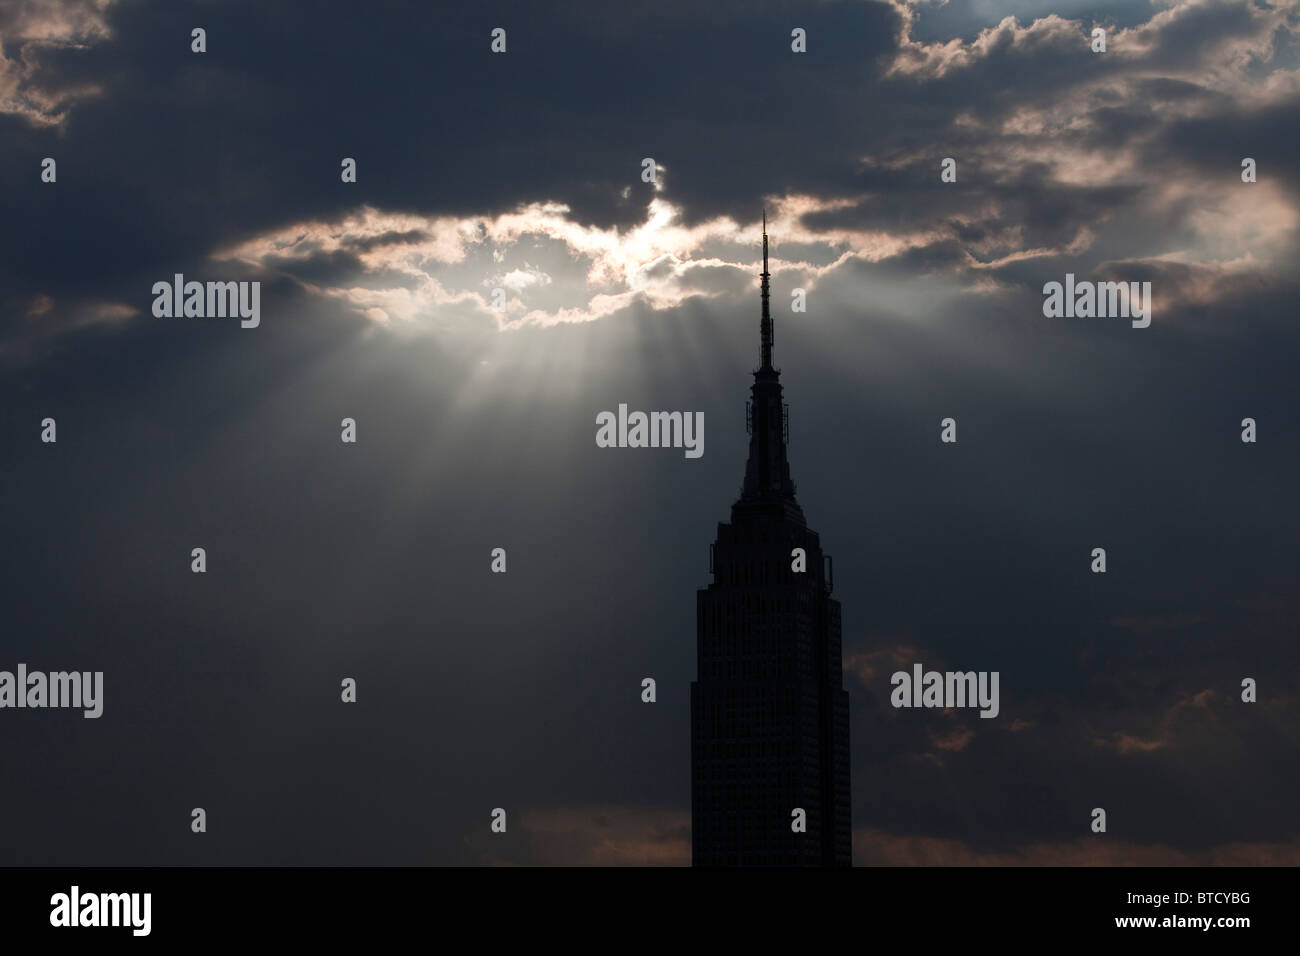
x: 476, y: 429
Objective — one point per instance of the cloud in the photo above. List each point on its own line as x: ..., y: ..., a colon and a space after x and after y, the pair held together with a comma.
x: 1080, y: 166
x: 873, y: 847
x: 518, y: 280
x: 1051, y: 35
x: 1099, y: 153
x: 409, y: 262
x: 46, y: 319
x: 873, y: 666
x: 607, y: 836
x: 1099, y: 163
x: 33, y: 31
x: 954, y: 741
x: 1169, y: 729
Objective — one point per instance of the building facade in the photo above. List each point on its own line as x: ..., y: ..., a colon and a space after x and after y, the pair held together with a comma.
x: 769, y: 715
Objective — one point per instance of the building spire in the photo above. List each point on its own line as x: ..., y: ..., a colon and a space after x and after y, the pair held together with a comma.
x: 765, y: 328
x: 767, y: 472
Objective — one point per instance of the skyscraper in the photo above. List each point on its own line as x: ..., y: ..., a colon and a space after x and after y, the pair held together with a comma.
x: 769, y: 715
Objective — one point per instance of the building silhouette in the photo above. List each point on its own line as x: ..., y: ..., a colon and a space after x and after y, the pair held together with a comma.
x: 769, y: 715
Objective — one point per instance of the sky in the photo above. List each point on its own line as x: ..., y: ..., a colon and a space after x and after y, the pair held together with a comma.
x: 523, y: 171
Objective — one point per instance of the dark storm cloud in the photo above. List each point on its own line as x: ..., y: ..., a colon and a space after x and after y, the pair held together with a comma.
x: 191, y: 151
x: 386, y: 239
x: 1042, y: 211
x: 197, y: 152
x: 337, y: 266
x: 522, y: 690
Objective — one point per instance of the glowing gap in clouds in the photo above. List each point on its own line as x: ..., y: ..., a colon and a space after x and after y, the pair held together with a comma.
x: 415, y: 266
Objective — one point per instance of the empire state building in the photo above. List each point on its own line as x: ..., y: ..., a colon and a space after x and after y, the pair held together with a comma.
x: 769, y: 715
